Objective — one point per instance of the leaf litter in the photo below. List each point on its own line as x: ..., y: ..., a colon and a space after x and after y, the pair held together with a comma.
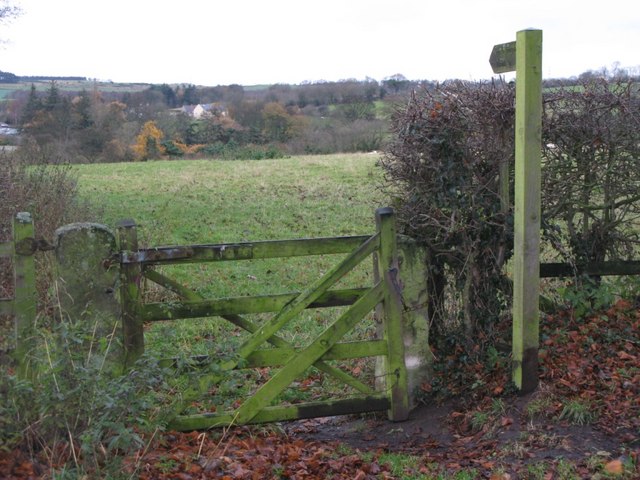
x: 585, y: 414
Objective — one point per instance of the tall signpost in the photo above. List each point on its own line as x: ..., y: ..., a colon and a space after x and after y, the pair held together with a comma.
x: 525, y: 57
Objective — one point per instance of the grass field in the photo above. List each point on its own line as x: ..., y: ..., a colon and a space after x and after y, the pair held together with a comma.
x: 228, y: 201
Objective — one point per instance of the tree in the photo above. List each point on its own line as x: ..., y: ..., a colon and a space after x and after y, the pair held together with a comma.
x: 7, y: 77
x: 396, y: 83
x: 52, y: 100
x: 188, y: 95
x: 277, y: 122
x: 149, y: 142
x: 32, y: 106
x: 82, y: 111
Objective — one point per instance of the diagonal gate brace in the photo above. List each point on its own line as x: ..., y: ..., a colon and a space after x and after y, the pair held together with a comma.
x: 250, y: 327
x: 309, y: 355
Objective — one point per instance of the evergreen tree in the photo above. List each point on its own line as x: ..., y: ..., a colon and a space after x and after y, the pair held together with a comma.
x: 34, y: 104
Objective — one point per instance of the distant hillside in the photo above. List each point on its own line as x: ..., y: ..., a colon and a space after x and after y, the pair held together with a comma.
x: 47, y: 78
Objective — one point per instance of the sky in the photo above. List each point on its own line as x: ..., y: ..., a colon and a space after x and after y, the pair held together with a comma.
x: 250, y: 42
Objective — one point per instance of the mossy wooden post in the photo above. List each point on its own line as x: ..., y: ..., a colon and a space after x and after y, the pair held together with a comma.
x: 130, y: 277
x: 26, y: 296
x: 525, y: 56
x: 395, y: 371
x: 526, y: 266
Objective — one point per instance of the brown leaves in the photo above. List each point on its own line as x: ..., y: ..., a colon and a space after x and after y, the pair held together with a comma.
x: 596, y: 361
x: 246, y: 455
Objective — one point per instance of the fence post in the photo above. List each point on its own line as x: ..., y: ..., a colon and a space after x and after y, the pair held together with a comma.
x: 395, y: 369
x: 130, y: 277
x: 86, y: 283
x: 26, y: 295
x: 525, y: 57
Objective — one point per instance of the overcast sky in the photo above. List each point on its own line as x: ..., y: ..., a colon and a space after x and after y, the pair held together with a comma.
x: 214, y: 42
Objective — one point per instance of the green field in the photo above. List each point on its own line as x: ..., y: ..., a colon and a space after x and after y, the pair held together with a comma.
x: 228, y: 201
x: 7, y: 89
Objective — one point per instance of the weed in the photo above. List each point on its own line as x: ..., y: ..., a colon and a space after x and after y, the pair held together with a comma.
x: 517, y: 449
x: 537, y: 471
x: 498, y: 407
x: 343, y: 449
x: 404, y: 466
x: 79, y: 414
x: 277, y: 471
x: 542, y: 404
x: 578, y: 412
x: 166, y: 465
x: 587, y: 296
x: 479, y: 420
x: 466, y: 475
x: 565, y: 470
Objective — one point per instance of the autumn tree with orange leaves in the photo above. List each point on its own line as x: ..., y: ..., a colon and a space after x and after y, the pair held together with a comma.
x: 149, y: 142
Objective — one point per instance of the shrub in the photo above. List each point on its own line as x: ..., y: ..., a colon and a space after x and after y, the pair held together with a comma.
x: 442, y: 166
x: 47, y: 191
x: 591, y: 171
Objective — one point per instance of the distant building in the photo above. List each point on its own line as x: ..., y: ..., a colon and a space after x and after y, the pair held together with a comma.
x: 7, y: 130
x: 204, y: 110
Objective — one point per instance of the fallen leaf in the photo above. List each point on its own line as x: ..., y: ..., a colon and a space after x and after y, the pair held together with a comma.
x: 614, y: 467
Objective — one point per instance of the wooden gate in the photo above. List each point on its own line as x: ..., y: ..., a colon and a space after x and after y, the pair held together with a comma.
x: 293, y: 361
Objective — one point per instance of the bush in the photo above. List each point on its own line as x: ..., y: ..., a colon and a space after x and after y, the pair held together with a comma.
x: 442, y: 167
x: 591, y: 171
x: 48, y: 192
x: 331, y: 135
x: 233, y: 151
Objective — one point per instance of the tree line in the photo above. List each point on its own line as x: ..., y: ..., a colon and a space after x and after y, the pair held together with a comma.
x: 91, y: 125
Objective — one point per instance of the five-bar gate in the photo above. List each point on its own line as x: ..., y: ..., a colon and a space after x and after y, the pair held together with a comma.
x: 293, y: 361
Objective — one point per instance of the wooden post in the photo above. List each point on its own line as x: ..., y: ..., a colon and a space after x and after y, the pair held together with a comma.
x: 525, y: 57
x: 526, y: 264
x: 395, y: 369
x: 130, y: 277
x: 26, y: 296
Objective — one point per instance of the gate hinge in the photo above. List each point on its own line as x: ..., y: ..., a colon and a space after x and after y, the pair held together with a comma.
x: 29, y: 245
